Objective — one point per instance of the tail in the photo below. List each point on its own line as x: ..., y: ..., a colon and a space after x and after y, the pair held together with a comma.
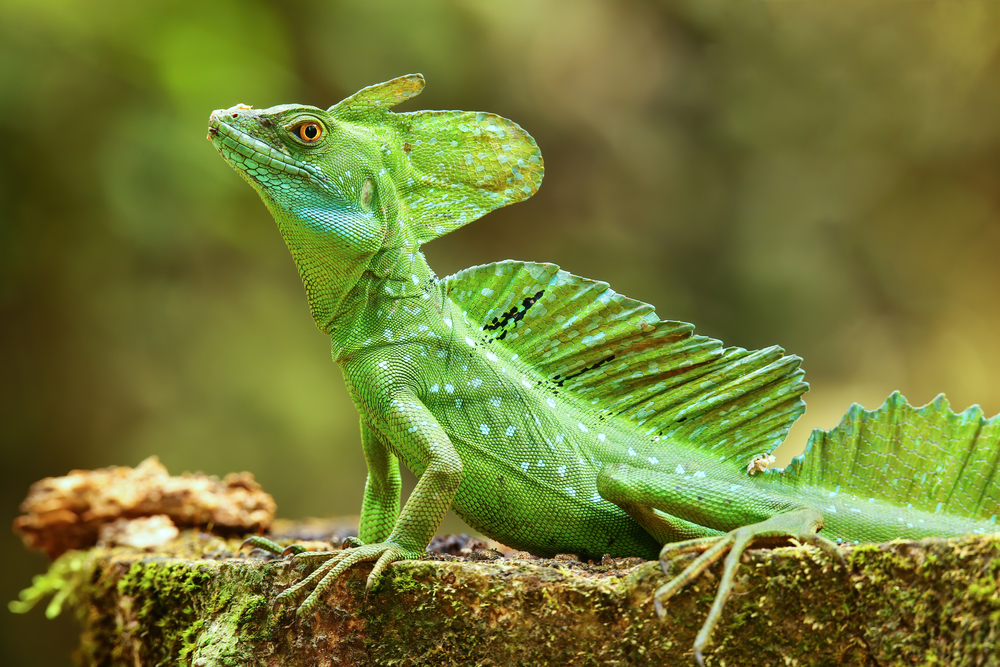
x: 928, y: 457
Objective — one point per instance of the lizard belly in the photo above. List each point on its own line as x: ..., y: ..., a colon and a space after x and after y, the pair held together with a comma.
x: 524, y: 507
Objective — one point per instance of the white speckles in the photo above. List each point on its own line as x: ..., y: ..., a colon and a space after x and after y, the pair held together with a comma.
x: 387, y: 334
x: 514, y: 358
x: 487, y: 292
x: 679, y: 469
x: 560, y: 437
x: 831, y: 509
x: 631, y: 452
x: 939, y: 507
x: 591, y: 340
x: 540, y: 464
x: 909, y: 525
x: 422, y: 327
x: 434, y: 388
x: 525, y: 465
x: 653, y: 460
x: 475, y: 383
x: 412, y: 429
x: 458, y: 402
x: 835, y: 491
x: 583, y: 429
x: 552, y: 403
x: 602, y: 437
x: 538, y: 422
x: 413, y: 277
x: 383, y: 365
x: 510, y: 430
x: 561, y: 470
x: 854, y: 510
x: 525, y: 384
x: 699, y: 473
x: 492, y: 357
x: 495, y: 401
x: 571, y: 491
x: 442, y: 354
x: 447, y: 321
x: 596, y: 498
x: 484, y: 429
x: 470, y: 342
x: 449, y: 388
x: 735, y: 487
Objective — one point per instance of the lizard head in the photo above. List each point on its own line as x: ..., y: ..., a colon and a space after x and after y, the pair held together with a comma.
x: 354, y: 186
x: 357, y: 170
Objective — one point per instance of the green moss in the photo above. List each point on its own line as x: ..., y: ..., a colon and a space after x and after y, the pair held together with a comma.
x: 63, y: 580
x: 930, y: 603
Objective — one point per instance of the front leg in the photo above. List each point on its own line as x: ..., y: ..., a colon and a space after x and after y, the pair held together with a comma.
x: 380, y: 507
x: 417, y: 435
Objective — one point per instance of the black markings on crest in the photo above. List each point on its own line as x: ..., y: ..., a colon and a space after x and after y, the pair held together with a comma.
x: 512, y: 316
x: 560, y: 380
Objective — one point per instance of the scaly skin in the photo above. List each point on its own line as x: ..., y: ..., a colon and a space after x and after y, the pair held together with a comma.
x: 550, y: 413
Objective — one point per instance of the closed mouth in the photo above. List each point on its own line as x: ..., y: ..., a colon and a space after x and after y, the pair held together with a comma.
x: 229, y: 141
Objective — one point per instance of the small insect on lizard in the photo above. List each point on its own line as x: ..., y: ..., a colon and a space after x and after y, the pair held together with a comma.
x: 549, y: 412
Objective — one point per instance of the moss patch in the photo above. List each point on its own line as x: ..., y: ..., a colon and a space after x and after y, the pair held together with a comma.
x: 934, y: 602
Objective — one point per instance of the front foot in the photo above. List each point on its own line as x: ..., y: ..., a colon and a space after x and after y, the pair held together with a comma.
x: 263, y: 544
x: 801, y: 525
x: 335, y: 563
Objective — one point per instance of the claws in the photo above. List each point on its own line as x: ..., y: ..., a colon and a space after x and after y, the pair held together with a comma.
x: 802, y: 525
x: 293, y: 550
x: 333, y: 564
x: 262, y: 543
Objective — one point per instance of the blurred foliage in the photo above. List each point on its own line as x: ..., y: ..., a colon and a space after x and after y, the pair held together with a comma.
x: 820, y: 175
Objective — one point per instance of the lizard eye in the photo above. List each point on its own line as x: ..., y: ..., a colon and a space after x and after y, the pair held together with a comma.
x: 309, y: 132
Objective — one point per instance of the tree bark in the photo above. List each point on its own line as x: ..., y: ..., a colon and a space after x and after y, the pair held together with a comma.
x: 932, y: 602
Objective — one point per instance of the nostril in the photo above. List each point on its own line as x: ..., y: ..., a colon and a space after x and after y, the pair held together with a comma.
x: 236, y: 115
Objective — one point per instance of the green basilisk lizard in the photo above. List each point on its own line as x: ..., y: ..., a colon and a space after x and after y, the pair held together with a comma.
x: 549, y: 412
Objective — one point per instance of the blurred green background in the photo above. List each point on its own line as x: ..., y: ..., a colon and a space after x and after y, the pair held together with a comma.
x: 820, y: 175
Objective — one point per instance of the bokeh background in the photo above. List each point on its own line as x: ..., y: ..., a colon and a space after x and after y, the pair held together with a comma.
x: 820, y: 175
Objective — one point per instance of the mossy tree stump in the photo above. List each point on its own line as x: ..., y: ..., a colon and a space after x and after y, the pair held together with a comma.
x: 933, y: 602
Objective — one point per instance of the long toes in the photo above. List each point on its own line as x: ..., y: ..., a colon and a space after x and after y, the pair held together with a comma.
x: 384, y: 561
x: 693, y: 570
x: 258, y: 542
x: 831, y: 548
x: 331, y: 572
x: 318, y: 556
x: 697, y: 545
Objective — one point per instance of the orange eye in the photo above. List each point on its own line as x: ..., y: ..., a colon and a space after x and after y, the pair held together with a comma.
x: 309, y: 132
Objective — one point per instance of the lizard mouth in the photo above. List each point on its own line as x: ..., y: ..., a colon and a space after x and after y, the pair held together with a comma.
x: 250, y: 155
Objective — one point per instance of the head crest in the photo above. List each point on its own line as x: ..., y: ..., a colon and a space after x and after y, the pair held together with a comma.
x: 453, y: 166
x: 381, y: 96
